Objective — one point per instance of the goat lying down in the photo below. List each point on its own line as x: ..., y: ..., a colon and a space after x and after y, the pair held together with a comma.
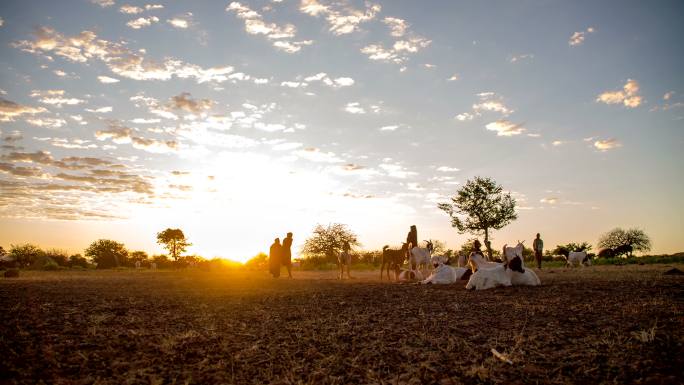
x: 409, y: 276
x: 489, y: 275
x: 520, y: 276
x: 443, y: 274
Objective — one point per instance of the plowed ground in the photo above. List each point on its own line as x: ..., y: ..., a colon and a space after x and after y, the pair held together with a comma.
x: 591, y: 325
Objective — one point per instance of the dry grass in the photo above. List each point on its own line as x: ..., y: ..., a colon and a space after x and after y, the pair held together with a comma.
x: 592, y: 325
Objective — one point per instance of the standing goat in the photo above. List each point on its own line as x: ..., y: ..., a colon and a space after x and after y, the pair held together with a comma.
x: 393, y: 258
x: 419, y: 257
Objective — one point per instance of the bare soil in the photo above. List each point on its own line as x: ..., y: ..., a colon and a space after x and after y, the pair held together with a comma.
x: 614, y: 324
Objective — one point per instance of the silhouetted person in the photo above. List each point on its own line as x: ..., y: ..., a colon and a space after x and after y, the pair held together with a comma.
x: 286, y: 255
x: 477, y: 246
x: 412, y: 237
x: 538, y: 247
x: 274, y: 256
x: 344, y: 258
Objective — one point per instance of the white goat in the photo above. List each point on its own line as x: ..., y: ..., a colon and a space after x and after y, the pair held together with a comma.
x: 578, y: 257
x: 409, y: 276
x: 519, y: 275
x: 419, y: 257
x: 486, y: 274
x: 443, y: 274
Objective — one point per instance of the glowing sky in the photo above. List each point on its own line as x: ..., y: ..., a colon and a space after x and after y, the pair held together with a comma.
x: 240, y: 121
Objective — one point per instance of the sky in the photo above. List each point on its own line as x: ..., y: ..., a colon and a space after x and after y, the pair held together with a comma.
x: 240, y: 121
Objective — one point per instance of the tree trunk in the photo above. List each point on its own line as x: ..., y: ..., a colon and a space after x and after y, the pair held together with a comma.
x: 487, y: 244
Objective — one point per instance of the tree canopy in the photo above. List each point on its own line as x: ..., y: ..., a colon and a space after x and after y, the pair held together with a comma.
x: 480, y: 206
x: 25, y: 255
x: 625, y: 241
x: 328, y: 241
x: 107, y: 253
x: 174, y: 241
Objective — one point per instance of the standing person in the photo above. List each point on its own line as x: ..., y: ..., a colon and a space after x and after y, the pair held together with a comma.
x: 538, y: 247
x: 274, y: 255
x: 286, y: 255
x: 344, y: 258
x: 412, y: 237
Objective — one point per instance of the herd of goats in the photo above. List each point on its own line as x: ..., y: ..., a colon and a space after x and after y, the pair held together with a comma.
x: 480, y: 273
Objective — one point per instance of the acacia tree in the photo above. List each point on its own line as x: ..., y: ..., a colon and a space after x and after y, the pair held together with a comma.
x: 328, y: 241
x: 625, y: 241
x: 479, y: 207
x: 24, y: 255
x: 174, y: 241
x: 107, y: 253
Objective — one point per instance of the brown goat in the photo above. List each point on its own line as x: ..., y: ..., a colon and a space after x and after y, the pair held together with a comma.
x: 394, y: 259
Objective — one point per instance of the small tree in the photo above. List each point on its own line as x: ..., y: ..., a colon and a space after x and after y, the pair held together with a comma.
x: 257, y: 262
x: 174, y: 241
x: 479, y: 207
x: 25, y: 255
x: 107, y: 253
x: 328, y: 241
x: 138, y: 256
x: 625, y: 241
x: 77, y: 260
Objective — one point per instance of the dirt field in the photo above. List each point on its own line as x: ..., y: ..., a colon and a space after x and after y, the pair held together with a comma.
x: 592, y: 325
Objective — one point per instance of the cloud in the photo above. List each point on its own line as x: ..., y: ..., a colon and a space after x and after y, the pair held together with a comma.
x: 454, y: 77
x: 185, y: 102
x: 628, y: 96
x: 20, y: 171
x: 557, y: 143
x: 13, y: 137
x: 121, y: 134
x: 398, y: 27
x: 517, y: 58
x: 181, y: 22
x: 389, y: 128
x: 101, y: 110
x: 152, y: 7
x: 10, y: 110
x: 607, y: 144
x: 122, y: 61
x: 465, y: 116
x: 505, y: 128
x: 2, y: 22
x: 668, y: 95
x: 46, y: 122
x: 396, y: 171
x: 491, y: 102
x: 354, y: 108
x: 281, y: 35
x: 343, y: 19
x: 130, y: 9
x: 577, y: 38
x: 314, y: 154
x: 549, y: 200
x: 55, y: 97
x: 142, y: 22
x: 448, y: 169
x: 107, y: 80
x: 69, y: 143
x: 399, y: 51
x: 103, y: 3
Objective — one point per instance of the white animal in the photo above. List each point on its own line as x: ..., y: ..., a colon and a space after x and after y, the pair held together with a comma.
x: 526, y: 278
x: 443, y: 274
x: 419, y: 257
x: 153, y: 265
x: 489, y: 278
x: 578, y: 257
x: 509, y: 253
x: 410, y: 275
x: 486, y: 274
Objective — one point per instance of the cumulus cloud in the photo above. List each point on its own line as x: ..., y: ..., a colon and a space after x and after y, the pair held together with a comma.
x: 101, y: 110
x: 122, y: 61
x: 505, y: 128
x: 130, y: 9
x: 152, y: 7
x: 142, y: 22
x: 107, y: 80
x: 10, y: 110
x: 55, y: 97
x: 392, y: 127
x: 465, y: 116
x: 354, y: 108
x: 488, y: 102
x: 185, y: 102
x: 46, y: 122
x: 343, y: 19
x: 398, y: 52
x: 181, y: 22
x: 121, y: 134
x: 577, y: 38
x: 281, y: 35
x: 398, y: 27
x: 628, y: 96
x: 607, y: 144
x: 74, y: 143
x: 103, y: 3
